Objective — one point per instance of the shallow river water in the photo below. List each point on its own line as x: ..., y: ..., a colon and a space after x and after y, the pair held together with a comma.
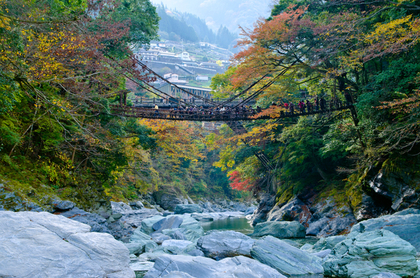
x: 233, y: 224
x: 242, y: 225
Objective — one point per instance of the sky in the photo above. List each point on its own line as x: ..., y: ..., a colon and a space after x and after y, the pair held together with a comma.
x: 230, y: 13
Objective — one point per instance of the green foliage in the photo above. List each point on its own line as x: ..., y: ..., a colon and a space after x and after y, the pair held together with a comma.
x: 9, y: 93
x: 142, y: 17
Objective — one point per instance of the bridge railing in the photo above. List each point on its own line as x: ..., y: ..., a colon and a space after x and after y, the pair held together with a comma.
x: 174, y: 101
x: 212, y: 115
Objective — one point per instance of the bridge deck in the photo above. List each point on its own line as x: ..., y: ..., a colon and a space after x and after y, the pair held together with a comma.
x: 163, y: 114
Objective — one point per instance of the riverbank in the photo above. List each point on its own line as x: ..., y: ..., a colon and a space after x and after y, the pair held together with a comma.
x: 174, y: 244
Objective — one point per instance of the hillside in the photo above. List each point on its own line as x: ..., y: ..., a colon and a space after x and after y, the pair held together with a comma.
x: 227, y: 13
x: 176, y: 26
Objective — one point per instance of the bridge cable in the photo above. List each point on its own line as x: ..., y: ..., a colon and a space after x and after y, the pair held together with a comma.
x: 261, y: 90
x: 149, y: 90
x: 142, y: 86
x: 189, y: 93
x: 245, y: 91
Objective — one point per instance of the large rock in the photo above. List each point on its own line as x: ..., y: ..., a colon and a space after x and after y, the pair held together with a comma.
x: 147, y: 224
x: 10, y: 201
x: 167, y: 201
x: 327, y: 243
x: 59, y: 205
x: 371, y: 253
x: 266, y: 203
x: 120, y: 207
x: 95, y: 221
x: 329, y: 219
x: 170, y: 222
x: 140, y: 243
x: 202, y: 217
x: 121, y: 228
x: 294, y: 210
x: 405, y: 224
x: 219, y: 245
x: 190, y: 208
x: 371, y: 208
x: 45, y: 245
x: 187, y: 266
x: 188, y: 229
x: 287, y: 259
x: 284, y: 229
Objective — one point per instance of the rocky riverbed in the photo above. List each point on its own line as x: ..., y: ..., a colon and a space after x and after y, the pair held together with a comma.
x: 153, y: 242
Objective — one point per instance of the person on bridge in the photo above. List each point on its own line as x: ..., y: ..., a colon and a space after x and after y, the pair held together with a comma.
x: 156, y: 110
x: 291, y: 108
x: 309, y: 106
x: 301, y: 106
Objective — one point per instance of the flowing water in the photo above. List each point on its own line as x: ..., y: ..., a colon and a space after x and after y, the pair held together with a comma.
x: 232, y: 224
x: 242, y: 225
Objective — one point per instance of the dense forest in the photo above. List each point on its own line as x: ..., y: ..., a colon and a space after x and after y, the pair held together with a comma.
x: 190, y: 28
x: 368, y: 50
x: 63, y: 63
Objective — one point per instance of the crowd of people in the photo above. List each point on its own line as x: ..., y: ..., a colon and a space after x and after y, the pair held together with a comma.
x: 315, y: 104
x: 223, y: 111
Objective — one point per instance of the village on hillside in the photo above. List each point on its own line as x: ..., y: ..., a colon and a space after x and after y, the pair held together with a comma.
x: 190, y: 66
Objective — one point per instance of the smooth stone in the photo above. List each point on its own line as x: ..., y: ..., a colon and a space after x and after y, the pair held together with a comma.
x: 190, y: 208
x: 323, y: 254
x: 207, y: 268
x: 219, y: 245
x: 327, y: 243
x: 120, y: 207
x: 62, y: 205
x: 141, y: 266
x: 386, y: 275
x: 147, y: 224
x: 159, y: 238
x: 202, y: 217
x: 140, y: 243
x: 97, y: 222
x: 175, y: 234
x: 283, y: 229
x: 181, y: 244
x: 287, y: 259
x: 170, y: 222
x: 46, y: 245
x: 404, y: 224
x: 178, y: 274
x: 136, y: 205
x: 371, y: 253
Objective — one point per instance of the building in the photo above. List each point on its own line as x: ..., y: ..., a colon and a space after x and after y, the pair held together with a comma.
x: 210, y: 65
x: 201, y: 78
x: 174, y: 78
x: 185, y: 56
x: 178, y: 93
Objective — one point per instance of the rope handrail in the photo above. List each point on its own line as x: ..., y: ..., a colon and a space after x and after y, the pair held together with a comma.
x: 206, y: 115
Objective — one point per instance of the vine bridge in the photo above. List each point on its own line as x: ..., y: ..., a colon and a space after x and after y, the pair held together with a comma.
x: 232, y: 111
x: 212, y: 115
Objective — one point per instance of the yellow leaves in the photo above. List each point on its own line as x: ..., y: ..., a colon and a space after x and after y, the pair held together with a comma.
x: 391, y: 30
x: 5, y: 23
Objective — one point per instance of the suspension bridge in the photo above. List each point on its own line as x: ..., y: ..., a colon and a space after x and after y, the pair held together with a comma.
x: 207, y: 115
x: 231, y: 111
